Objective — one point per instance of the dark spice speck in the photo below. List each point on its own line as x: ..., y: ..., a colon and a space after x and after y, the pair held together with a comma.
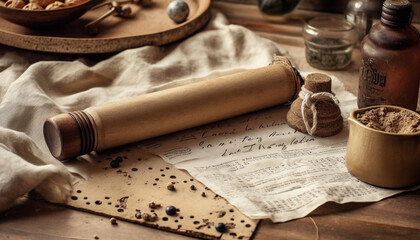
x: 114, y: 164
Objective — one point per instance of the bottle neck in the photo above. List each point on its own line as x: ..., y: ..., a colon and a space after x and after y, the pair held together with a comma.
x: 396, y: 13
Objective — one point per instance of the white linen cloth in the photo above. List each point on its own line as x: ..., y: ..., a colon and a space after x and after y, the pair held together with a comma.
x: 36, y: 85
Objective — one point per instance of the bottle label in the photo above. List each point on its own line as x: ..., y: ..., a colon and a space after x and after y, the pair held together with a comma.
x: 371, y: 75
x: 371, y: 85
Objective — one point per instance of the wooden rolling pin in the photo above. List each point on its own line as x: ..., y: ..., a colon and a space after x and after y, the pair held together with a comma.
x: 117, y: 123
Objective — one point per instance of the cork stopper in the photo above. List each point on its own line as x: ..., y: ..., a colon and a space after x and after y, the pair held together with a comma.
x: 69, y: 134
x: 327, y: 120
x: 318, y: 82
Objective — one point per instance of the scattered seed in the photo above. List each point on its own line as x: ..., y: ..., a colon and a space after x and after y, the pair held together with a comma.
x: 149, y: 217
x: 95, y: 236
x: 154, y: 205
x: 137, y: 215
x: 119, y: 159
x: 114, y: 164
x: 170, y: 210
x: 145, y: 216
x: 192, y: 187
x: 171, y: 187
x: 221, y: 214
x: 230, y: 225
x: 203, y: 194
x: 220, y: 227
x: 113, y: 221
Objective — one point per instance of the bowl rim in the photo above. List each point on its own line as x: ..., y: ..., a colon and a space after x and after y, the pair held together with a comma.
x: 19, y: 10
x: 46, y: 18
x: 352, y: 117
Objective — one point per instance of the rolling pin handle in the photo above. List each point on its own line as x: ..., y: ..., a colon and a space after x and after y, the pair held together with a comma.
x: 69, y: 134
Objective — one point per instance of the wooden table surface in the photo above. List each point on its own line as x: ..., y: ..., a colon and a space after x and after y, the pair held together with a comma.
x: 397, y: 217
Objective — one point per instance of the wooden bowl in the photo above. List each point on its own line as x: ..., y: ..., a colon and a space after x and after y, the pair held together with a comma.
x: 46, y: 18
x: 381, y: 158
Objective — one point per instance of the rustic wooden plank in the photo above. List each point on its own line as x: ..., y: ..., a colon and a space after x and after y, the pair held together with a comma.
x: 336, y: 6
x: 393, y: 218
x: 247, y: 12
x: 239, y: 1
x: 334, y: 229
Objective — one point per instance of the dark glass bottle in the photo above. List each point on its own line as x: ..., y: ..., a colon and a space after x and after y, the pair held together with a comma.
x: 390, y: 55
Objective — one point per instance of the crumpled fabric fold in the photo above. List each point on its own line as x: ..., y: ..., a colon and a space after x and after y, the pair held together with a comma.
x: 34, y: 86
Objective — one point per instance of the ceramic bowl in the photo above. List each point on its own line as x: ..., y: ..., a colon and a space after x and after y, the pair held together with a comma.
x: 46, y: 18
x: 381, y: 158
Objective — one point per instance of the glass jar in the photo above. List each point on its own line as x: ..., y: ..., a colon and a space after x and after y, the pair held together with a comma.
x: 390, y: 57
x: 363, y: 14
x: 329, y: 42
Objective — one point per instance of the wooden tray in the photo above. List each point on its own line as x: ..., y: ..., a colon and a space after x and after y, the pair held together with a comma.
x: 147, y: 26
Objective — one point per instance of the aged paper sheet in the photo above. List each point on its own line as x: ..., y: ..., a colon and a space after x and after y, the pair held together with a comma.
x: 267, y: 169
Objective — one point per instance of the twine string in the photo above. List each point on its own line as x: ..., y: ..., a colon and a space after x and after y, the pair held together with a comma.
x: 309, y: 99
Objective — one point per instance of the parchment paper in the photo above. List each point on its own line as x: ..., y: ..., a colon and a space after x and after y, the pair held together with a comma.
x: 267, y: 169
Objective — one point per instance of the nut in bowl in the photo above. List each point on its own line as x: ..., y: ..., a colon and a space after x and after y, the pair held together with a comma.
x: 44, y: 13
x: 383, y: 148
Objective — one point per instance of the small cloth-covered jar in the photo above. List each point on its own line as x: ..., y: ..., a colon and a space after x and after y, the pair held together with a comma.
x: 316, y: 111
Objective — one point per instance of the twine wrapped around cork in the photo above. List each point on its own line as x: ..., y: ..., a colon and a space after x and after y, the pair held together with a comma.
x: 316, y: 111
